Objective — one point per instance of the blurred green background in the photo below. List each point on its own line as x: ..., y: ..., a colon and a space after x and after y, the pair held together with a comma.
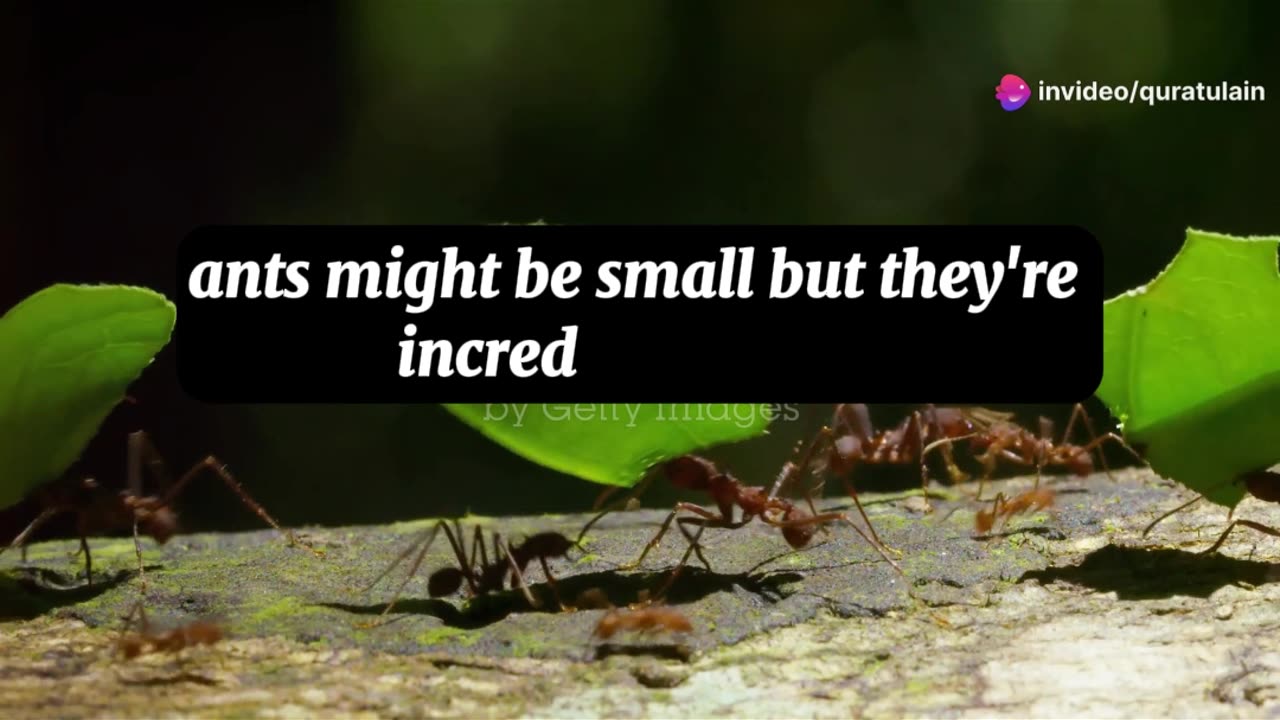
x: 126, y: 128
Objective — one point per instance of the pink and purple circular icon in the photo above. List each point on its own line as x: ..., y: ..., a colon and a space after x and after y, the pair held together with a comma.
x: 1012, y: 92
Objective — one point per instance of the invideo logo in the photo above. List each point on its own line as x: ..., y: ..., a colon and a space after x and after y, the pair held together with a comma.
x: 1012, y: 92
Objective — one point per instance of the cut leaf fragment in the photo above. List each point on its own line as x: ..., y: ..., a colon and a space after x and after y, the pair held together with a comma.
x: 611, y: 444
x: 67, y: 357
x: 1192, y: 363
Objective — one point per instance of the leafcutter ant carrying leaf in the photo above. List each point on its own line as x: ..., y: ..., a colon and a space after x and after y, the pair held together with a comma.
x: 1192, y: 369
x: 98, y: 511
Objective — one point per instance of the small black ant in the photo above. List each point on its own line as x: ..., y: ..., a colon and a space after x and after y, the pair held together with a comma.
x: 481, y: 575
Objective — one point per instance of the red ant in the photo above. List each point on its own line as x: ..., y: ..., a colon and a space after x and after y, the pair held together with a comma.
x: 852, y: 440
x: 1262, y: 484
x: 476, y: 570
x: 151, y: 515
x: 657, y: 618
x: 146, y: 640
x: 1008, y: 441
x: 798, y: 525
x: 1003, y: 509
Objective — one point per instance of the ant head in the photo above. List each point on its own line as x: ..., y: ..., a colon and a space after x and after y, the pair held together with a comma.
x: 690, y: 472
x: 1263, y: 484
x: 984, y: 521
x: 445, y: 581
x: 159, y: 524
x: 799, y: 535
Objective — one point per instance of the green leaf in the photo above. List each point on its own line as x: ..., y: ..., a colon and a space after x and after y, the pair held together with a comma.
x: 1192, y: 363
x: 612, y: 444
x: 67, y: 356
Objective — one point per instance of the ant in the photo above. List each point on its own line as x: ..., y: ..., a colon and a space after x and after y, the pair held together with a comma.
x: 652, y: 619
x: 1263, y: 484
x: 1002, y: 508
x: 146, y: 640
x: 798, y: 525
x: 852, y: 440
x: 98, y: 512
x: 1008, y: 441
x: 480, y: 574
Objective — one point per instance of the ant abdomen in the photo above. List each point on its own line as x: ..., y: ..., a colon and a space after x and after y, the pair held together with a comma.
x: 445, y: 581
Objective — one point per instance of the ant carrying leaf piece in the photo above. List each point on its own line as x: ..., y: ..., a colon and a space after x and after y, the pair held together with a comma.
x: 480, y: 574
x: 99, y: 511
x: 1192, y: 369
x: 67, y: 356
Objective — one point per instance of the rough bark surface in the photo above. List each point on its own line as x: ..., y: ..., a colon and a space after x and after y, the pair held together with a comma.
x: 1068, y: 613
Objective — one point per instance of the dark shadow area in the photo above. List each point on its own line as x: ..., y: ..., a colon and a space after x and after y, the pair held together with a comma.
x: 176, y: 679
x: 664, y: 651
x: 1044, y: 531
x: 620, y: 590
x: 37, y: 591
x: 1135, y: 573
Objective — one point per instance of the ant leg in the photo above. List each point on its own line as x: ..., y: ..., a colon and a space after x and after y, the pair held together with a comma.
x: 1171, y: 513
x: 519, y: 578
x: 88, y: 561
x: 21, y: 540
x: 604, y: 495
x: 694, y: 546
x: 666, y: 525
x: 1079, y: 411
x: 211, y: 463
x: 551, y: 582
x: 426, y: 539
x: 692, y: 539
x: 1247, y: 523
x: 833, y: 517
x: 1099, y: 439
x: 791, y: 471
x: 644, y: 485
x: 848, y: 487
x: 137, y: 550
x: 915, y: 442
x: 948, y: 448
